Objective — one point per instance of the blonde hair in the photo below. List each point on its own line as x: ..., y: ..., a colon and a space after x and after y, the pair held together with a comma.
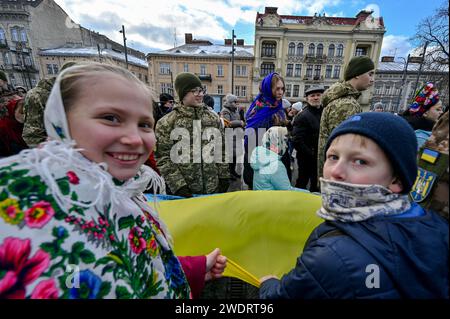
x: 74, y: 77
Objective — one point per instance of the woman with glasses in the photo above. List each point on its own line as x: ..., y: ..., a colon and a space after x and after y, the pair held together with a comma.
x: 265, y: 111
x: 189, y: 173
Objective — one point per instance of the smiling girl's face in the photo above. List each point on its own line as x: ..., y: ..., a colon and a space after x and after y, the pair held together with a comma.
x: 112, y: 121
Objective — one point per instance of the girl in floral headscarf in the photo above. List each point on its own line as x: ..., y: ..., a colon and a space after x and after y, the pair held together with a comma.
x: 73, y: 220
x: 424, y: 111
x: 265, y: 111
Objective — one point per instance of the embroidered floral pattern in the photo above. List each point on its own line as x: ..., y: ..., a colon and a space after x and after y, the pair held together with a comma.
x: 47, y: 252
x: 11, y: 212
x: 39, y: 214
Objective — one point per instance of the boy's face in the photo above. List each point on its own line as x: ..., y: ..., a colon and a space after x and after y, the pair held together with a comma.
x: 112, y: 122
x: 356, y: 159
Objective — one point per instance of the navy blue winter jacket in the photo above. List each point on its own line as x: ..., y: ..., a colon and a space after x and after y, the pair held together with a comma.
x: 403, y: 256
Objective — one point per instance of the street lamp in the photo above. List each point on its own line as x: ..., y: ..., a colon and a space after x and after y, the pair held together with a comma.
x: 125, y: 44
x: 405, y: 70
x: 232, y: 61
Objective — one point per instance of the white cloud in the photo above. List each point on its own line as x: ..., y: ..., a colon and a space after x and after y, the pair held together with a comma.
x: 153, y: 23
x: 397, y: 45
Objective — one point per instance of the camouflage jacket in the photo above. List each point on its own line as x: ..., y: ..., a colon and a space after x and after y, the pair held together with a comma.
x: 195, y: 167
x: 340, y: 102
x: 33, y: 127
x: 431, y: 187
x: 5, y: 96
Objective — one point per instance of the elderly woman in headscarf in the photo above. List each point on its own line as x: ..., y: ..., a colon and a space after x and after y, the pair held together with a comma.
x: 265, y: 111
x: 424, y: 112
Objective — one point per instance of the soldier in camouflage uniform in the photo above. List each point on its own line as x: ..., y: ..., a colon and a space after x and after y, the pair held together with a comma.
x: 340, y: 101
x: 190, y: 177
x: 431, y: 187
x: 7, y: 93
x: 33, y: 130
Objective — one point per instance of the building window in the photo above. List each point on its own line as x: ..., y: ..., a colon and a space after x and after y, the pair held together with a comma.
x: 289, y: 70
x: 300, y: 49
x: 23, y: 35
x: 319, y: 51
x: 298, y: 70
x: 202, y: 69
x: 2, y: 37
x: 337, y: 71
x: 243, y: 70
x: 340, y: 50
x: 268, y: 49
x: 14, y: 34
x: 328, y: 71
x: 166, y: 88
x: 317, y: 70
x: 378, y: 89
x: 27, y: 61
x: 309, y: 71
x: 219, y: 70
x: 146, y: 79
x: 296, y: 90
x: 33, y: 82
x: 243, y: 91
x: 12, y: 79
x: 237, y: 90
x: 331, y: 50
x: 186, y: 67
x: 52, y: 69
x: 361, y: 51
x: 164, y: 68
x: 291, y: 50
x: 288, y: 90
x: 220, y: 89
x: 267, y: 68
x: 387, y: 90
x: 7, y: 58
x: 311, y: 49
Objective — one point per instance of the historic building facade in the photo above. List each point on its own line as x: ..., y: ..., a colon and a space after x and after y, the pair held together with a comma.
x: 309, y: 50
x: 29, y: 27
x: 397, y: 97
x: 211, y: 62
x: 16, y: 46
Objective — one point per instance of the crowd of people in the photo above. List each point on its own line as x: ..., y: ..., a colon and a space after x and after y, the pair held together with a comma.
x: 79, y: 151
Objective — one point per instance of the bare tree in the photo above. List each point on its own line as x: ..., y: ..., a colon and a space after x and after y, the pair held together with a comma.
x: 433, y: 32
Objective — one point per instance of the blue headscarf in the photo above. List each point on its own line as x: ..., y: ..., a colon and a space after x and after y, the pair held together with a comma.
x: 262, y: 117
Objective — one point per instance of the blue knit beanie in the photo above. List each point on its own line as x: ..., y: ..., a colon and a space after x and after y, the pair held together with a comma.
x: 392, y: 134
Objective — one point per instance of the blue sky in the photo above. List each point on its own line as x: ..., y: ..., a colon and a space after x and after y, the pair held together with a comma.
x: 154, y: 25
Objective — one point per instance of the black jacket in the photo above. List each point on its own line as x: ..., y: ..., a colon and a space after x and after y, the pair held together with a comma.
x: 305, y: 132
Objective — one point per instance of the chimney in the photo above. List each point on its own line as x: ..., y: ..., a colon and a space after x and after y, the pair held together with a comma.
x: 188, y: 38
x: 240, y: 42
x: 227, y: 41
x: 364, y: 14
x: 271, y: 10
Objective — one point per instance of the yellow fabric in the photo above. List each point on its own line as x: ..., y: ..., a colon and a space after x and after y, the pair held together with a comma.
x: 260, y: 232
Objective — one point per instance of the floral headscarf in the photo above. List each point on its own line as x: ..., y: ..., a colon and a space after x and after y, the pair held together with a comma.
x: 275, y: 139
x: 264, y: 106
x: 425, y: 98
x: 68, y: 211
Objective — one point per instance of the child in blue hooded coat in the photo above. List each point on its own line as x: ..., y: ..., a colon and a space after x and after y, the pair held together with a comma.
x: 269, y: 171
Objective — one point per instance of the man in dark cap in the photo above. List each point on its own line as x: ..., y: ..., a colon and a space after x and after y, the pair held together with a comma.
x: 7, y: 93
x: 340, y: 100
x: 188, y: 174
x: 165, y: 106
x: 305, y: 135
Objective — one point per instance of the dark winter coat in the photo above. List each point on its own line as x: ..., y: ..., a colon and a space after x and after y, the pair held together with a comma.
x: 403, y: 256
